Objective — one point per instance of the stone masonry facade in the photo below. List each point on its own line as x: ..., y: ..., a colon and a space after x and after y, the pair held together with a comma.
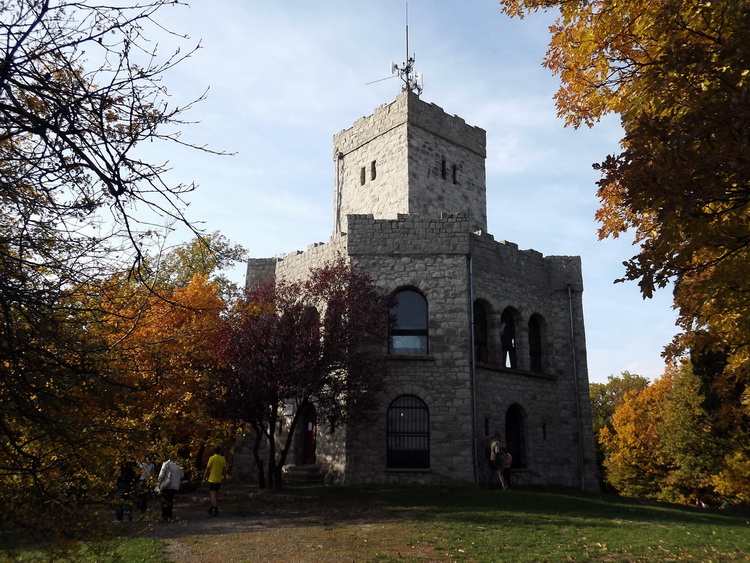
x: 505, y: 344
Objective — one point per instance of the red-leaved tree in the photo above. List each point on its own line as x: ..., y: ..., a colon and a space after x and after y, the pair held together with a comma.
x: 291, y: 344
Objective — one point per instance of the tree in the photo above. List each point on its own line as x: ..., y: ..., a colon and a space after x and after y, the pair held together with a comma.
x: 677, y: 73
x: 206, y: 254
x: 674, y: 422
x: 80, y: 91
x: 606, y: 398
x: 636, y: 464
x: 161, y: 349
x: 292, y: 344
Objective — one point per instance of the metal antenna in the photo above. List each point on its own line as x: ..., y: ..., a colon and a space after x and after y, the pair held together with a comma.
x: 412, y: 82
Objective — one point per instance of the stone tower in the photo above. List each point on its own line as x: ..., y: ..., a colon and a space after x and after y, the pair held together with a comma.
x: 490, y: 338
x: 410, y: 157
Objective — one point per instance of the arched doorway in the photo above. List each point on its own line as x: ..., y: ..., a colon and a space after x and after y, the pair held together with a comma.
x: 515, y: 434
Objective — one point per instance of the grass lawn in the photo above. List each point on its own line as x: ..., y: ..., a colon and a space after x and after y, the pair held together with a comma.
x: 440, y: 523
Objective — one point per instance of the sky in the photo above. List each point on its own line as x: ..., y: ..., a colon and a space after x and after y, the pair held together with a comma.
x: 283, y: 76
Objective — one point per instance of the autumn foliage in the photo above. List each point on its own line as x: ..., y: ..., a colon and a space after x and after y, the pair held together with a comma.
x: 677, y: 74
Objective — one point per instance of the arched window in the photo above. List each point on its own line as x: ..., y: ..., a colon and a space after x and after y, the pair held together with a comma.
x: 515, y: 434
x: 481, y: 347
x: 508, y: 338
x: 408, y: 434
x: 535, y: 344
x: 408, y: 327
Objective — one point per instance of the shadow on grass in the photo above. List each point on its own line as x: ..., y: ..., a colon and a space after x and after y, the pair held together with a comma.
x: 246, y: 509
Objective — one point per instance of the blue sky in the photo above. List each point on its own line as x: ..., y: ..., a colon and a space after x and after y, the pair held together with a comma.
x: 285, y: 75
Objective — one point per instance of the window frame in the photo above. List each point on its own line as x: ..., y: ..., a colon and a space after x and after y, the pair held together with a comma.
x: 418, y: 331
x: 408, y: 433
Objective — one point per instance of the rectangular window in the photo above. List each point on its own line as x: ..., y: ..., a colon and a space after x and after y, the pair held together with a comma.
x: 362, y: 176
x: 373, y: 171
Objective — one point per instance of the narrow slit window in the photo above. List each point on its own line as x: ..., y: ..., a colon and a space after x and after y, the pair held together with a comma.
x: 373, y: 170
x: 362, y: 176
x: 443, y: 169
x: 455, y: 174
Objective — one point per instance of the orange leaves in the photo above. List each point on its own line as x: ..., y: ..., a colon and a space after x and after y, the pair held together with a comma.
x: 676, y: 71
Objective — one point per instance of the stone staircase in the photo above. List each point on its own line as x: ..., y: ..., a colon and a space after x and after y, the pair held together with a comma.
x: 302, y: 475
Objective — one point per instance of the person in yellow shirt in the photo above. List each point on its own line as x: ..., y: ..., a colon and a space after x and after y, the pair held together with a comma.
x: 214, y: 474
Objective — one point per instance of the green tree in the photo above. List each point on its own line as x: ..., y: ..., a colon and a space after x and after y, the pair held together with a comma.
x: 677, y: 72
x: 209, y: 255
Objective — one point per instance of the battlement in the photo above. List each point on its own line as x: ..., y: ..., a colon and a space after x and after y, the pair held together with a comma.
x: 407, y: 234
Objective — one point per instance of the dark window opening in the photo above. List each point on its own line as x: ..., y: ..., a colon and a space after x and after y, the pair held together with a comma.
x: 508, y: 339
x: 362, y: 176
x: 408, y: 434
x: 408, y: 327
x: 443, y: 170
x: 373, y: 171
x: 455, y: 174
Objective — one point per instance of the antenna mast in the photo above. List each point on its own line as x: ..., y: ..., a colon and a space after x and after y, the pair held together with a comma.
x: 412, y: 82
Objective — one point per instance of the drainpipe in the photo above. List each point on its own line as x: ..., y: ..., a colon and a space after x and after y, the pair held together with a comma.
x: 337, y: 202
x: 575, y: 383
x: 472, y: 367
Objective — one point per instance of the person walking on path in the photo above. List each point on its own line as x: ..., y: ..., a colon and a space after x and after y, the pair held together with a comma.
x: 168, y: 483
x: 214, y: 474
x: 126, y: 479
x: 144, y: 482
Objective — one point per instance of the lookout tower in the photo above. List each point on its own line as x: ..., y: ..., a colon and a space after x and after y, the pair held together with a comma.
x: 410, y: 157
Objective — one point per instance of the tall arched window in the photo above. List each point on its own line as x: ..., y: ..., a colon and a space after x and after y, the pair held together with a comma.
x: 481, y: 347
x: 508, y: 338
x: 535, y: 344
x: 408, y: 434
x: 408, y: 327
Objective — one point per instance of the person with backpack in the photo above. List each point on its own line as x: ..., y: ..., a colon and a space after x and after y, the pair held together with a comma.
x: 167, y: 485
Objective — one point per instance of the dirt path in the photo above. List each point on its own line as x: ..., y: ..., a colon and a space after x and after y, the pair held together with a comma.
x: 276, y: 527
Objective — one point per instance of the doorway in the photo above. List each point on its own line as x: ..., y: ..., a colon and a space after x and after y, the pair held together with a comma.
x: 309, y: 436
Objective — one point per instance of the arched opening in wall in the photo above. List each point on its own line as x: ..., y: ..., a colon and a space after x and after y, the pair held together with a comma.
x: 408, y: 434
x: 481, y: 333
x: 407, y: 334
x: 309, y: 434
x: 515, y: 434
x: 508, y: 338
x: 535, y: 344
